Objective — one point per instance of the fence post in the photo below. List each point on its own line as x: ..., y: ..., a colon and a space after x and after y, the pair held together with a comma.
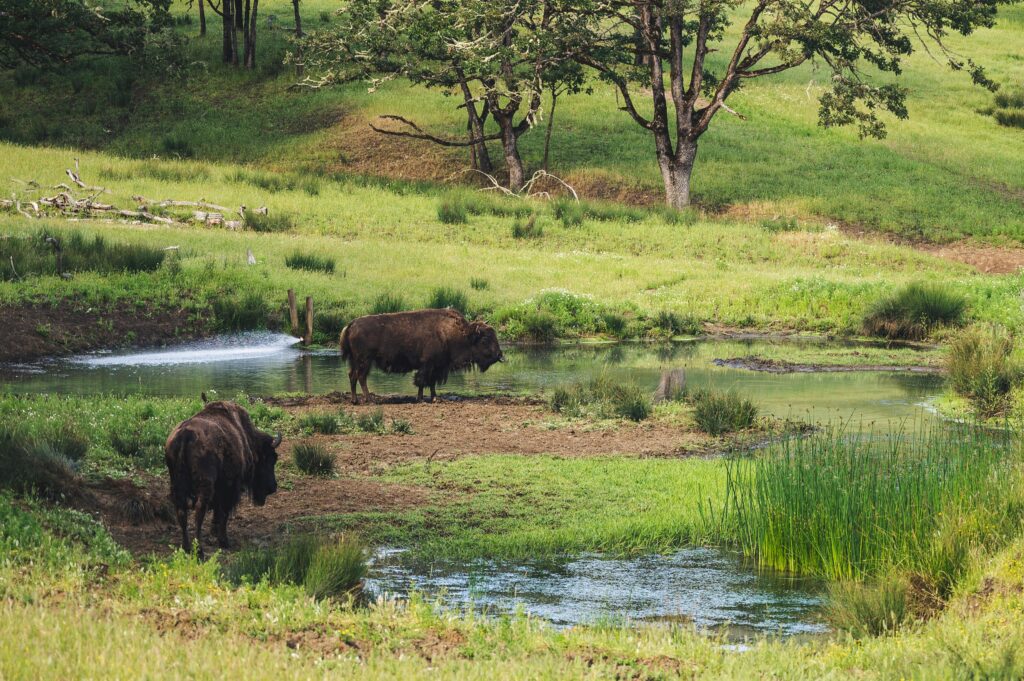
x: 309, y: 320
x: 293, y: 312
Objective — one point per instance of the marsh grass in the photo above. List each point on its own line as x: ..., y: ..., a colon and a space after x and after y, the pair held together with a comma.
x: 244, y: 313
x: 602, y: 397
x: 33, y: 464
x: 325, y: 568
x: 914, y: 311
x: 32, y: 255
x: 448, y: 296
x: 310, y: 262
x: 312, y: 459
x: 846, y: 506
x: 717, y: 413
x: 981, y: 366
x: 387, y: 302
x: 868, y: 607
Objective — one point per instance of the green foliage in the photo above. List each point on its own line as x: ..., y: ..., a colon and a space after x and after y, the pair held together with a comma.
x: 570, y: 213
x: 400, y: 427
x: 276, y: 182
x: 312, y: 459
x: 673, y: 324
x: 602, y: 398
x: 448, y: 296
x: 981, y: 367
x: 32, y: 255
x: 388, y: 302
x: 717, y: 413
x: 320, y: 422
x: 1009, y: 108
x: 868, y: 608
x: 846, y: 506
x: 310, y: 262
x: 326, y: 568
x: 478, y: 284
x: 780, y: 224
x: 241, y: 313
x: 269, y: 222
x: 327, y: 325
x: 451, y: 210
x: 34, y: 464
x: 371, y: 422
x: 914, y: 311
x: 1011, y: 118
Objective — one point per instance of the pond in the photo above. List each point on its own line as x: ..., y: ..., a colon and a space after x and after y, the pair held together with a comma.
x: 265, y: 363
x: 707, y: 588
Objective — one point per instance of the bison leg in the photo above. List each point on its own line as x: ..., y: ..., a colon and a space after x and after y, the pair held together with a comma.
x: 353, y: 375
x: 362, y: 382
x: 433, y: 393
x: 182, y: 513
x: 419, y: 394
x: 220, y: 525
x: 202, y: 504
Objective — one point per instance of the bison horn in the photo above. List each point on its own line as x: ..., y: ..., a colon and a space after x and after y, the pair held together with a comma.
x: 277, y: 441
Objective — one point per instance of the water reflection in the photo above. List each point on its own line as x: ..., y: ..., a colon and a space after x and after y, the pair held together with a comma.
x: 269, y: 363
x: 706, y: 587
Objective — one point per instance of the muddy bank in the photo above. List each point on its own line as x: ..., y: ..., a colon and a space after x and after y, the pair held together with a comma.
x: 781, y: 366
x: 36, y: 331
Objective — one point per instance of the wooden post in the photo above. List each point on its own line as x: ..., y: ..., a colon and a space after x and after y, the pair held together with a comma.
x: 293, y: 312
x: 309, y: 321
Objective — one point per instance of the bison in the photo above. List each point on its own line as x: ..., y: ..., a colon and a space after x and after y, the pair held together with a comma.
x: 212, y: 458
x: 432, y: 342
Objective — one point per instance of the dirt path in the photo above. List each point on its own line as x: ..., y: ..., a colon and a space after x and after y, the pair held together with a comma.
x: 443, y: 431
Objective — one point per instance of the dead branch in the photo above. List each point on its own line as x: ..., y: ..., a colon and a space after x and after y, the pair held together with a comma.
x: 171, y: 203
x: 419, y: 134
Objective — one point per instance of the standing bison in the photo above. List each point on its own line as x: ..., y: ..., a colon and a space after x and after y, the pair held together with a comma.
x: 432, y: 342
x: 212, y: 458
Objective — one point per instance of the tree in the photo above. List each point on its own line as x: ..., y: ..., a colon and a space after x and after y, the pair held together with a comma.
x: 495, y: 55
x: 52, y: 33
x: 667, y: 46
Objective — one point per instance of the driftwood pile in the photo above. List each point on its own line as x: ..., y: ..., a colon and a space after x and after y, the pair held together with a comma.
x: 66, y: 204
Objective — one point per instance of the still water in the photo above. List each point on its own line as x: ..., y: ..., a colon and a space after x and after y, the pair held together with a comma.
x: 264, y: 363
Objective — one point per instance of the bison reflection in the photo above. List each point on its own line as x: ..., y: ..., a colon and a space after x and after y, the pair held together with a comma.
x: 212, y: 458
x: 432, y: 342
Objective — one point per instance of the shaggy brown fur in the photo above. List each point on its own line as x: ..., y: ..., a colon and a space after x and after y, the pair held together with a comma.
x: 212, y: 458
x: 432, y: 342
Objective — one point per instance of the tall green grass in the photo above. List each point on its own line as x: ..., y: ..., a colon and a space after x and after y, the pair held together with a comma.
x: 448, y: 296
x: 846, y: 506
x: 34, y: 255
x: 982, y: 368
x: 323, y: 567
x: 310, y: 262
x: 602, y: 397
x: 914, y: 311
x: 722, y: 412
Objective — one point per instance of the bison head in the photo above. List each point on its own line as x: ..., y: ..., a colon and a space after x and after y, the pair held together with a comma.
x: 486, y: 350
x: 264, y: 482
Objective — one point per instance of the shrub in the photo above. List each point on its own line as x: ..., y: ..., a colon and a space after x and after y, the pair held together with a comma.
x: 387, y: 302
x: 446, y: 296
x: 324, y: 568
x: 313, y: 459
x: 539, y: 326
x: 269, y: 222
x: 323, y: 423
x: 478, y: 284
x: 452, y: 210
x: 241, y: 314
x: 982, y: 368
x: 310, y: 262
x: 867, y: 608
x: 717, y: 412
x: 614, y: 324
x: 914, y: 311
x: 528, y: 230
x: 371, y: 422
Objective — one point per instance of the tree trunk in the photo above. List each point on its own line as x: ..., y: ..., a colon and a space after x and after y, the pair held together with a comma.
x: 237, y: 13
x: 202, y: 17
x: 510, y: 147
x: 479, y: 156
x: 675, y: 172
x: 229, y: 33
x: 298, y: 19
x: 249, y: 33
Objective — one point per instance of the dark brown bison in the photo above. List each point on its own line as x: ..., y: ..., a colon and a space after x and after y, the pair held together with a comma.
x: 432, y: 342
x: 212, y: 458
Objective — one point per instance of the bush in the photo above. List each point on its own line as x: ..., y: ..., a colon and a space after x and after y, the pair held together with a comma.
x: 387, y: 302
x: 869, y: 608
x: 267, y: 222
x: 528, y: 230
x: 310, y: 262
x: 478, y: 284
x: 452, y: 210
x: 717, y: 412
x: 446, y: 296
x: 324, y: 568
x: 241, y: 314
x: 982, y: 368
x: 914, y: 311
x: 313, y: 459
x: 323, y: 423
x: 602, y: 398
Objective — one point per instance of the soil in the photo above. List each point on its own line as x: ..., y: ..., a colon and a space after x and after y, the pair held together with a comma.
x: 35, y: 331
x: 781, y: 366
x: 139, y: 516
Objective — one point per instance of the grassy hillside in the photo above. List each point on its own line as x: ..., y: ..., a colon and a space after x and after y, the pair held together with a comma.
x: 949, y: 172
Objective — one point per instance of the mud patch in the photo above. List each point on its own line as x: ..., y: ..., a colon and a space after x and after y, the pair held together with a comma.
x: 781, y: 366
x: 36, y: 330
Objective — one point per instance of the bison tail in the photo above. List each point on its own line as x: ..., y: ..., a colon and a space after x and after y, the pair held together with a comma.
x: 346, y: 349
x: 178, y: 466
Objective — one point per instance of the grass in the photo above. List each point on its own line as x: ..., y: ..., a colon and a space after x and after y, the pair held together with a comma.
x: 717, y: 413
x: 915, y: 311
x: 267, y: 222
x: 602, y: 398
x: 982, y: 367
x: 310, y: 262
x: 845, y: 506
x: 33, y: 255
x: 35, y: 464
x: 388, y: 302
x: 325, y: 568
x: 447, y: 296
x: 312, y: 459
